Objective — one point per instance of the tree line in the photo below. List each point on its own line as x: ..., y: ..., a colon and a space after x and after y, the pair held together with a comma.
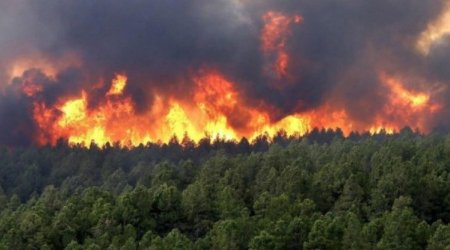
x: 318, y: 191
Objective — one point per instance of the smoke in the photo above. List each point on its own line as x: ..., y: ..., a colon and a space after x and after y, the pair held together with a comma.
x: 336, y: 53
x: 16, y: 122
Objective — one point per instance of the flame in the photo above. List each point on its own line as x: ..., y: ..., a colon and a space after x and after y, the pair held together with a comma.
x: 404, y: 97
x: 216, y: 107
x: 114, y: 120
x: 403, y: 107
x: 292, y: 125
x: 118, y: 85
x: 274, y: 38
x: 73, y: 111
x: 215, y: 104
x: 380, y: 129
x: 217, y: 98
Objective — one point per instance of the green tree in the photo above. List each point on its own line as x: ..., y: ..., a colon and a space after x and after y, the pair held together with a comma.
x: 440, y: 240
x: 402, y: 229
x: 174, y: 240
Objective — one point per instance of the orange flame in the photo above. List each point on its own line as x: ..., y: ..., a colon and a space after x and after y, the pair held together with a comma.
x: 216, y: 103
x: 217, y: 107
x: 404, y: 107
x: 118, y: 85
x: 274, y: 37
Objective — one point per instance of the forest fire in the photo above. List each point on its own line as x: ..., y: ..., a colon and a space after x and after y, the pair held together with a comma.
x: 273, y: 67
x: 215, y: 111
x: 224, y: 124
x: 215, y: 103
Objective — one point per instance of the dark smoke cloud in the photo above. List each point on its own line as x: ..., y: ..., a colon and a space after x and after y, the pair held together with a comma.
x: 337, y: 52
x: 16, y: 122
x: 438, y: 69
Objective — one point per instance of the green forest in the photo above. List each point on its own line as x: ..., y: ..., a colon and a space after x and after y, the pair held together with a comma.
x: 318, y: 191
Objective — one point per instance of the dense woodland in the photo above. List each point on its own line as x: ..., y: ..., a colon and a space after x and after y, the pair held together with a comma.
x: 319, y: 191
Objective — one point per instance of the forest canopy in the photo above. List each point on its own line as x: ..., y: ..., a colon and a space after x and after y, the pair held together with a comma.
x: 318, y: 191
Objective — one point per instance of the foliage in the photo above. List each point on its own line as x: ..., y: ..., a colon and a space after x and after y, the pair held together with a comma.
x: 320, y: 191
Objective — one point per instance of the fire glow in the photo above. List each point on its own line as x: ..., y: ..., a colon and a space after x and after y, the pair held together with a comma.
x: 274, y: 37
x: 217, y: 107
x: 215, y: 102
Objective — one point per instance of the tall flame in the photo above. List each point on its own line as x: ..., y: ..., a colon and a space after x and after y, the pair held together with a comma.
x: 217, y: 108
x: 274, y: 37
x: 215, y: 102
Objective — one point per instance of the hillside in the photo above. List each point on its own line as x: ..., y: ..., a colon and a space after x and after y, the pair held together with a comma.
x: 321, y: 191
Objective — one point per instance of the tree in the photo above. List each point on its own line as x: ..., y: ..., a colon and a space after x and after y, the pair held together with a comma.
x: 440, y: 240
x: 174, y: 240
x: 326, y: 233
x: 230, y: 234
x: 402, y: 229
